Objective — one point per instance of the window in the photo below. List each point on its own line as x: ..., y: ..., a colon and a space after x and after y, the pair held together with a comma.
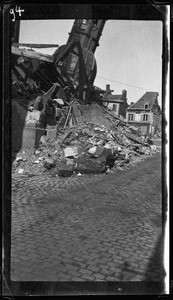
x: 146, y: 105
x: 145, y: 117
x: 114, y: 107
x: 130, y: 117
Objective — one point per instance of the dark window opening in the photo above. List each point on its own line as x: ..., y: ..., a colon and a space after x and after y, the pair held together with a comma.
x: 114, y: 107
x: 146, y: 106
x: 145, y: 117
x: 130, y: 117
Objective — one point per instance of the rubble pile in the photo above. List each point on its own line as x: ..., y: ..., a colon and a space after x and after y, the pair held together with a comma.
x: 84, y: 148
x: 60, y: 120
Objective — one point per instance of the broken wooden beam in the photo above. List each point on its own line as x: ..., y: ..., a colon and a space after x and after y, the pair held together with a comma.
x: 31, y: 54
x: 134, y: 138
x: 35, y: 45
x: 49, y: 93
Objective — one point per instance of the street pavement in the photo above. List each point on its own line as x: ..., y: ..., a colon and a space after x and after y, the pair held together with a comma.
x: 105, y: 227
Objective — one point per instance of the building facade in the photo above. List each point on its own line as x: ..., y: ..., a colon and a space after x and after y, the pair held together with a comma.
x: 145, y: 114
x: 116, y: 103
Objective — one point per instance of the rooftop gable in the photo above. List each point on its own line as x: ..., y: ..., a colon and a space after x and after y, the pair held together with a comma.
x: 148, y: 97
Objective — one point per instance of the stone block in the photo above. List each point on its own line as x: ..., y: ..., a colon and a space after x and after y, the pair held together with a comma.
x: 96, y: 151
x: 64, y: 170
x: 122, y: 155
x: 92, y: 150
x: 87, y: 165
x: 49, y: 163
x: 70, y: 162
x: 73, y: 151
x: 106, y: 152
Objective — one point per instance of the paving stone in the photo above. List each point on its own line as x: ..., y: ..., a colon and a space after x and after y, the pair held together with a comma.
x: 93, y: 268
x: 79, y: 259
x: 73, y: 268
x: 78, y: 279
x: 65, y: 277
x: 110, y: 278
x: 103, y: 266
x: 104, y: 272
x: 99, y: 276
x: 82, y: 265
x: 73, y: 273
x: 85, y: 271
x: 88, y: 277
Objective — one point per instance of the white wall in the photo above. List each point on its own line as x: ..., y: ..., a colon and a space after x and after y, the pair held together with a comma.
x: 110, y: 105
x: 137, y: 117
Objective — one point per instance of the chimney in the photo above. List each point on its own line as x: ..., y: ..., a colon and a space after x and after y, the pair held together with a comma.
x: 132, y: 103
x: 107, y: 87
x: 124, y: 93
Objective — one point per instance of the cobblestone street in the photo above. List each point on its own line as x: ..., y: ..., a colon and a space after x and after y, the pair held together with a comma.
x: 104, y: 227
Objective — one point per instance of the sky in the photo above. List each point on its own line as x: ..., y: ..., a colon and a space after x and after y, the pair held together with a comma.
x: 129, y: 55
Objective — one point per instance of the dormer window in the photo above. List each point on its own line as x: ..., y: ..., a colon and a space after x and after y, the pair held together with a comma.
x: 146, y: 106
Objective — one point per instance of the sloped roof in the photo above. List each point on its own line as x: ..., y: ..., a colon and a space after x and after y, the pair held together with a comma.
x: 149, y: 97
x: 113, y: 98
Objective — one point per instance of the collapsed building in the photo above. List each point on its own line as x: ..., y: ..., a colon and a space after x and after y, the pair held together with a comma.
x: 60, y: 122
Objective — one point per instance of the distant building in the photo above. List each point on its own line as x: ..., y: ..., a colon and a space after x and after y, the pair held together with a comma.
x: 116, y: 103
x: 145, y: 114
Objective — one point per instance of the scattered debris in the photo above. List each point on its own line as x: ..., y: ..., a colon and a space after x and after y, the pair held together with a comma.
x: 19, y: 158
x: 37, y: 151
x: 36, y: 162
x: 153, y: 147
x: 49, y: 163
x: 43, y: 139
x: 84, y: 148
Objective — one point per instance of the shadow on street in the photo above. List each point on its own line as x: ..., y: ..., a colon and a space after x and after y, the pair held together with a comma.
x: 155, y: 270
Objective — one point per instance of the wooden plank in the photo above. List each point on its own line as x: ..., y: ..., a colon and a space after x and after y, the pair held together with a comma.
x: 110, y: 100
x: 31, y: 54
x: 35, y: 45
x: 134, y: 138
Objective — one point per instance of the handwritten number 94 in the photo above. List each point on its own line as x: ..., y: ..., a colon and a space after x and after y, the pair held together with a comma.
x: 17, y: 10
